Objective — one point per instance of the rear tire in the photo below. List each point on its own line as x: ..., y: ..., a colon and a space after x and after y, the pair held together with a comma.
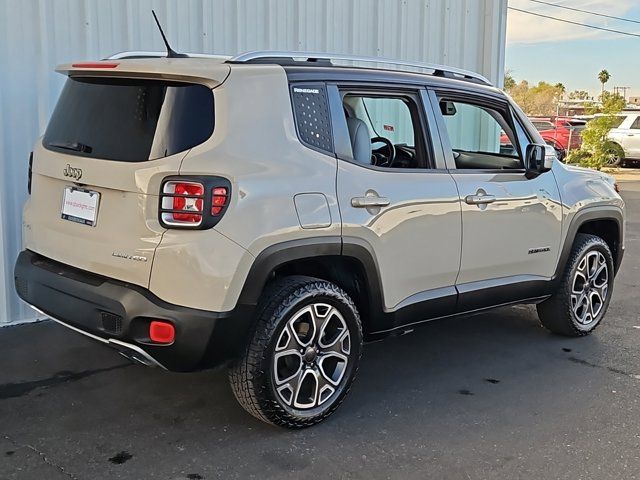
x: 583, y: 295
x: 303, y: 354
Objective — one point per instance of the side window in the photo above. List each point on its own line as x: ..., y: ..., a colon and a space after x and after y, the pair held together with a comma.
x: 618, y: 121
x: 636, y: 124
x: 311, y: 112
x: 385, y: 130
x: 480, y: 136
x: 392, y: 117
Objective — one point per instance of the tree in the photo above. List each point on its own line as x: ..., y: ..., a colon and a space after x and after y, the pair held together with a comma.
x: 612, y: 103
x: 541, y: 99
x: 604, y: 77
x: 509, y: 81
x: 579, y: 95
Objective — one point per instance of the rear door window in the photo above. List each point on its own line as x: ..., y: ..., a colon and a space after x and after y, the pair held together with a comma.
x: 392, y: 122
x: 129, y: 120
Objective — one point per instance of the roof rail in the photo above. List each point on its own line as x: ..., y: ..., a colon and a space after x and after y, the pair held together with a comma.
x: 438, y: 70
x: 147, y: 54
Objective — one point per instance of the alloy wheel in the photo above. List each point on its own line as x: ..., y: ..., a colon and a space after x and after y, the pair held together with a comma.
x: 311, y: 356
x: 590, y: 287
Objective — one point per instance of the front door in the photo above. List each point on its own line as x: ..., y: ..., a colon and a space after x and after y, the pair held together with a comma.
x: 511, y: 224
x: 395, y: 194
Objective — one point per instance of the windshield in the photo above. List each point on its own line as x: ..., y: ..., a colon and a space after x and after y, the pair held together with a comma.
x: 129, y: 120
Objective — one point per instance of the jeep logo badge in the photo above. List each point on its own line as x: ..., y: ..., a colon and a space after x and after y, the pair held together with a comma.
x: 72, y: 172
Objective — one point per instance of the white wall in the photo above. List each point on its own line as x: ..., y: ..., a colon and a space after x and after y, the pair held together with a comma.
x: 36, y: 35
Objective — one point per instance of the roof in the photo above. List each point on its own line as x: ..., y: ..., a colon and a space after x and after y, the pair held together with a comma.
x: 314, y: 64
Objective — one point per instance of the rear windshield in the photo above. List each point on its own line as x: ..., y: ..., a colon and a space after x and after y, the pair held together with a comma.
x: 129, y: 120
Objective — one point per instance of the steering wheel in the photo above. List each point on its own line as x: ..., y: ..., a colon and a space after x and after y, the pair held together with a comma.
x: 388, y: 160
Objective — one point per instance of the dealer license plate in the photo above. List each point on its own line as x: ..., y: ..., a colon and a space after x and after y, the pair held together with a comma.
x: 80, y: 206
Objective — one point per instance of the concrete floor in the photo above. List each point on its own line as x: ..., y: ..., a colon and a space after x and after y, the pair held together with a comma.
x: 489, y: 396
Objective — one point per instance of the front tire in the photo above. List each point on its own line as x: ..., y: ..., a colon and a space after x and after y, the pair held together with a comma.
x: 303, y: 355
x: 616, y: 155
x: 582, y: 298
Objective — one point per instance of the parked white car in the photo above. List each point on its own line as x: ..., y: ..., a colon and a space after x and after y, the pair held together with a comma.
x: 627, y: 135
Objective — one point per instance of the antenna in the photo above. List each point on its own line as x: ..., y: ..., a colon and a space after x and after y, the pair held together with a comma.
x: 171, y: 53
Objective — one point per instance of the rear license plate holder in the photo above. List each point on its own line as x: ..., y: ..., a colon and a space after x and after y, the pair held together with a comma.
x: 80, y: 206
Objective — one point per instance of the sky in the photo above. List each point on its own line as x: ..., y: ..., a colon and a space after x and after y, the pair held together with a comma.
x: 542, y: 49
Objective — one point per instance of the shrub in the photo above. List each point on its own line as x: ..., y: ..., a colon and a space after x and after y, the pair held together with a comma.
x: 597, y: 150
x: 579, y: 157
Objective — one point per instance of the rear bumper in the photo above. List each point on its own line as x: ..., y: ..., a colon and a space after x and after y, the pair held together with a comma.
x: 118, y: 314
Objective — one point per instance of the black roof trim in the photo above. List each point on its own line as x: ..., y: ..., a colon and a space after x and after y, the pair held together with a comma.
x: 365, y: 75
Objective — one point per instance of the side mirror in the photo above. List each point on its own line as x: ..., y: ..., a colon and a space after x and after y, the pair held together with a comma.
x: 550, y: 157
x: 536, y: 159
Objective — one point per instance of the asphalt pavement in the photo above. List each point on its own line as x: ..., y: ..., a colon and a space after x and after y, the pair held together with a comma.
x: 481, y: 397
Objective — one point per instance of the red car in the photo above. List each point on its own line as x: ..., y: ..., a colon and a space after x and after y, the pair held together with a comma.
x: 562, y: 133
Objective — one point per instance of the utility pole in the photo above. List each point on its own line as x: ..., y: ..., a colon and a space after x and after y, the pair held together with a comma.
x: 617, y: 90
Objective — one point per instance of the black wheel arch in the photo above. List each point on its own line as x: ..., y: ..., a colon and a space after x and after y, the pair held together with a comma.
x: 605, y: 222
x: 347, y: 261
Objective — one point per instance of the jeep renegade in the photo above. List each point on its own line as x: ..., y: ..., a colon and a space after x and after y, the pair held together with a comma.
x: 272, y: 211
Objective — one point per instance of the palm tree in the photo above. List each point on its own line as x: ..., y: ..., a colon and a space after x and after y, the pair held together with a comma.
x: 604, y: 77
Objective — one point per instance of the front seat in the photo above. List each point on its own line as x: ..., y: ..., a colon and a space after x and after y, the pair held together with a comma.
x: 360, y: 140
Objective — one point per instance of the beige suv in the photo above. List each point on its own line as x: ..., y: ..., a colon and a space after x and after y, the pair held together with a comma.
x: 272, y: 211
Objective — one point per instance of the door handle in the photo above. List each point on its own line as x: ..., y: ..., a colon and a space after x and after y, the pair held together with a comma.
x: 479, y: 199
x: 369, y: 201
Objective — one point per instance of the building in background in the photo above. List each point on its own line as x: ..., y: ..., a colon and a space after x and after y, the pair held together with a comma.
x: 36, y: 35
x: 634, y: 102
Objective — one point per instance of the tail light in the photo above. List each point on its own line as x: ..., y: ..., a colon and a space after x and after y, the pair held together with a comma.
x: 30, y: 173
x: 193, y: 202
x: 95, y: 65
x: 183, y: 203
x: 219, y: 200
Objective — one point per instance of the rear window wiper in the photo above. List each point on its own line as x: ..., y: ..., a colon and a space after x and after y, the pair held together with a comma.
x: 75, y: 146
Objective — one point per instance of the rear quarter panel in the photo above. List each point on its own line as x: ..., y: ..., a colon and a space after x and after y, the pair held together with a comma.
x: 255, y: 146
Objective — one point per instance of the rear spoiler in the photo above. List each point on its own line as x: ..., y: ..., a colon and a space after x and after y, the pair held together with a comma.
x: 207, y: 71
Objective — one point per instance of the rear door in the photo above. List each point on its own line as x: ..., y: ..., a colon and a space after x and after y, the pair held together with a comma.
x: 403, y: 207
x: 631, y: 139
x: 511, y: 223
x: 97, y: 170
